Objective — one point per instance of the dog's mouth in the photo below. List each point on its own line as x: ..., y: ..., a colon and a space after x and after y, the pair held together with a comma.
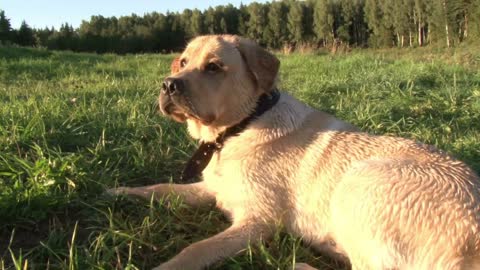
x: 169, y: 109
x: 180, y: 109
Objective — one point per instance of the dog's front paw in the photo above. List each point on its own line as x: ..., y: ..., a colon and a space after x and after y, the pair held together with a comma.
x: 170, y: 266
x: 163, y: 267
x: 118, y: 191
x: 303, y: 266
x: 179, y: 265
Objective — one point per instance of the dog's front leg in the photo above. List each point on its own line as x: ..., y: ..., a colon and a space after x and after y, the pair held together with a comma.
x: 225, y: 244
x: 193, y: 194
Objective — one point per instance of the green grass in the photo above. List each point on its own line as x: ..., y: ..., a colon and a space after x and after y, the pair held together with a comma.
x: 72, y: 125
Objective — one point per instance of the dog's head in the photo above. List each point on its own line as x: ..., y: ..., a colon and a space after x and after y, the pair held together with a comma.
x: 217, y: 80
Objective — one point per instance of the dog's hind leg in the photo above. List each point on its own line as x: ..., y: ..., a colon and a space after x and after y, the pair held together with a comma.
x: 223, y: 245
x: 193, y: 194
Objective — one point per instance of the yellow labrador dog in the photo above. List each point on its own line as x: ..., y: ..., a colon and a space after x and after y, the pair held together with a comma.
x: 267, y: 159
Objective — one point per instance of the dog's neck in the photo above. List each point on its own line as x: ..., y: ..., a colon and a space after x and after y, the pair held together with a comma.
x: 204, y: 153
x: 264, y: 103
x: 209, y: 133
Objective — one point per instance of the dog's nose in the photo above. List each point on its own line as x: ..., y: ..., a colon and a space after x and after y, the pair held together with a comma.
x: 173, y: 86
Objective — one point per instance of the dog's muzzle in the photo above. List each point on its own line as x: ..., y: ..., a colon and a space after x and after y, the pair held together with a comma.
x: 172, y: 89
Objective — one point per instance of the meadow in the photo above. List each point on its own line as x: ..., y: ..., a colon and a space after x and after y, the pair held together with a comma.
x: 72, y: 125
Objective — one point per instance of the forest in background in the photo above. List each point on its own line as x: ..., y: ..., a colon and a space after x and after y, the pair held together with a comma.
x: 284, y: 25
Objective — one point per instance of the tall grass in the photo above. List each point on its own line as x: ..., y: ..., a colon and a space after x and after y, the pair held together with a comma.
x: 72, y: 125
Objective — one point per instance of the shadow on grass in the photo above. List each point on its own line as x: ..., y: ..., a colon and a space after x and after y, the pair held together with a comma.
x: 15, y: 53
x: 36, y: 64
x: 422, y: 82
x: 18, y: 53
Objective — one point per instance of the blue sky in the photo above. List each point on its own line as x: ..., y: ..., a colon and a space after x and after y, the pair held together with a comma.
x: 41, y: 13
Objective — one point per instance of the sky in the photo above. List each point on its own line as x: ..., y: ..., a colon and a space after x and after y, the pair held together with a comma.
x: 41, y: 13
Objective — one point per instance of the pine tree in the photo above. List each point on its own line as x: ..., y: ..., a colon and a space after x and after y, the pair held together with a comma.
x: 353, y: 20
x: 232, y: 16
x: 210, y: 21
x: 257, y: 22
x: 186, y: 20
x: 382, y: 34
x: 421, y: 19
x: 25, y: 36
x: 42, y: 35
x: 474, y: 21
x: 196, y: 23
x: 438, y: 24
x: 308, y: 34
x: 243, y: 18
x: 276, y: 33
x: 295, y: 22
x: 223, y: 26
x: 220, y: 20
x: 460, y: 13
x: 408, y: 20
x: 323, y: 20
x: 5, y: 28
x: 160, y: 29
x: 396, y: 17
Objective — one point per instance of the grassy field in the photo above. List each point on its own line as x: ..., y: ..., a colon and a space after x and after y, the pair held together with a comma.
x: 72, y: 125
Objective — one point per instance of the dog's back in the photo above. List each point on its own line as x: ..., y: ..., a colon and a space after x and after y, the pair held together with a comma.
x: 384, y: 202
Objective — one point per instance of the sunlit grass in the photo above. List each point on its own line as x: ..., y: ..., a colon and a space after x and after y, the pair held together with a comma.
x: 72, y: 125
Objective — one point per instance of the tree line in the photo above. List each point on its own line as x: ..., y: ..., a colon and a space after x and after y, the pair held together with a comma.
x: 277, y: 24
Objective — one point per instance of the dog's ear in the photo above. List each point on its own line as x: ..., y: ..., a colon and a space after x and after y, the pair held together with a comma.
x: 175, y: 66
x: 262, y: 64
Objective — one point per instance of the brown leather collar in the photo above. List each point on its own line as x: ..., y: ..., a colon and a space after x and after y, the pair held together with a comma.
x: 200, y: 159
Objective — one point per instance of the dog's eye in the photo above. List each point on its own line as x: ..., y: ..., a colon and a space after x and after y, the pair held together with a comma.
x: 212, y: 67
x: 183, y: 63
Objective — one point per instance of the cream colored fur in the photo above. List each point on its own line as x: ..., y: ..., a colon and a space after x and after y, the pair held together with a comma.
x: 382, y: 202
